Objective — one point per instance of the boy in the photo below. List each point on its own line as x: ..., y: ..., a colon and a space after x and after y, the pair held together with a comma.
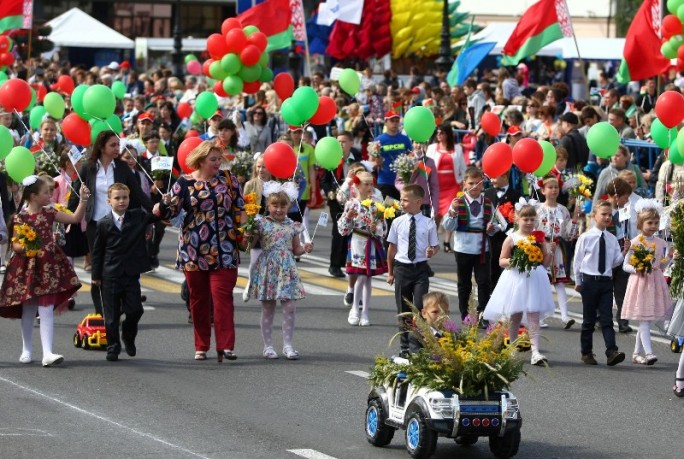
x: 151, y: 141
x: 596, y: 255
x: 412, y: 241
x: 435, y: 310
x: 119, y: 257
x: 470, y: 215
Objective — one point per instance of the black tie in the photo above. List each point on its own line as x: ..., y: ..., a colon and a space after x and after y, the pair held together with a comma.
x: 602, y: 255
x: 412, y: 240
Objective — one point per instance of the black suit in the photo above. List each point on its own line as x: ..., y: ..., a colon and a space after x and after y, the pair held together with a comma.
x: 8, y: 207
x: 119, y: 257
x: 496, y: 241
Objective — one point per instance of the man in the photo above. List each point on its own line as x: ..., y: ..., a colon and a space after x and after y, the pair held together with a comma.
x: 646, y: 101
x: 212, y: 130
x: 611, y: 99
x: 392, y: 144
x: 573, y: 141
x: 144, y: 125
x: 305, y: 156
x: 617, y: 119
x: 476, y: 102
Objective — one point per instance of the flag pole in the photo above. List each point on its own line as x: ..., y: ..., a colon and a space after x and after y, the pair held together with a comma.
x: 579, y: 55
x: 306, y: 42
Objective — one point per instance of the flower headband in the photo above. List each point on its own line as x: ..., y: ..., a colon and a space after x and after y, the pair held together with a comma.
x: 643, y: 204
x: 289, y: 188
x: 30, y: 180
x: 525, y: 202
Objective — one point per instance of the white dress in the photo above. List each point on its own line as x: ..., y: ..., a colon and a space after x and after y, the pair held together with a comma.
x: 518, y: 292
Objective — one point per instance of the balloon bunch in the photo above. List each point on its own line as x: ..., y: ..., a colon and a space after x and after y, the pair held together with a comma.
x: 93, y: 112
x: 6, y: 56
x: 673, y: 31
x: 670, y: 114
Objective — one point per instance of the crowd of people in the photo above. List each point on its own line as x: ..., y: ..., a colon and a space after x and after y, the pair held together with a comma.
x: 104, y: 201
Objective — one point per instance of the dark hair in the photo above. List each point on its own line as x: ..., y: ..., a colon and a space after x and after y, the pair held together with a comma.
x: 64, y: 159
x: 225, y: 123
x: 101, y: 140
x: 151, y: 135
x: 618, y: 187
x: 31, y: 190
x: 347, y: 134
x: 588, y: 113
x: 264, y: 119
x: 448, y: 136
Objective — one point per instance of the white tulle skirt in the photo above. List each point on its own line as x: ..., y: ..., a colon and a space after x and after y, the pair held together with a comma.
x: 517, y: 292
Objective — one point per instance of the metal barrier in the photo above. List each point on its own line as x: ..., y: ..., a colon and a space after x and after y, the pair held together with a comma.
x: 644, y: 154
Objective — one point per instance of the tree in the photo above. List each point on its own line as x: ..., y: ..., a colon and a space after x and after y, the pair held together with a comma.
x: 623, y: 12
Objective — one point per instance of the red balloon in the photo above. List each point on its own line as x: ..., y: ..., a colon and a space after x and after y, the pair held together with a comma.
x: 283, y: 84
x: 327, y: 109
x: 671, y: 26
x: 66, y: 84
x: 184, y: 150
x: 258, y: 39
x: 230, y: 24
x: 250, y: 55
x: 41, y: 91
x: 680, y: 53
x: 6, y: 59
x: 280, y: 160
x: 491, y: 124
x: 205, y: 67
x: 236, y: 40
x: 192, y: 133
x: 76, y: 129
x: 497, y: 159
x: 15, y: 94
x: 184, y: 110
x: 218, y: 89
x: 216, y: 45
x: 528, y: 155
x: 251, y: 87
x: 5, y: 43
x: 669, y: 108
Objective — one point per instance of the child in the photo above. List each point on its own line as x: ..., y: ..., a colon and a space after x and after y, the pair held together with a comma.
x: 555, y: 221
x: 435, y: 310
x: 470, y: 215
x: 558, y: 170
x: 151, y: 140
x: 362, y: 220
x: 596, y: 254
x: 46, y: 281
x: 119, y: 257
x: 522, y: 296
x: 648, y: 297
x: 274, y: 276
x: 676, y: 328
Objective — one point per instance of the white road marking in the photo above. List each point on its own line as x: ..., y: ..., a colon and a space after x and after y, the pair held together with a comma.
x: 19, y: 432
x: 102, y: 418
x: 309, y: 453
x: 359, y: 373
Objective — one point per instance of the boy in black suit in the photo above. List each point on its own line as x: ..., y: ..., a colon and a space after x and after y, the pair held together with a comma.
x: 119, y: 256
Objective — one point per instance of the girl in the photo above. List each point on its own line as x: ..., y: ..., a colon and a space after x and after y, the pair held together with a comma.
x: 365, y: 255
x: 522, y: 296
x: 274, y: 276
x: 42, y: 282
x: 555, y: 221
x: 647, y: 297
x: 676, y: 328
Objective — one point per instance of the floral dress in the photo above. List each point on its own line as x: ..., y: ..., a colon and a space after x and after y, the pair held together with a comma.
x: 274, y: 275
x: 365, y: 253
x: 557, y: 225
x: 47, y: 277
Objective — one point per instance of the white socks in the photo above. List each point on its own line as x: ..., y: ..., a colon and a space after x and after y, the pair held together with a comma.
x: 267, y: 315
x: 533, y: 330
x: 643, y: 338
x: 28, y: 316
x: 289, y: 310
x: 513, y: 326
x: 362, y: 292
x: 562, y: 300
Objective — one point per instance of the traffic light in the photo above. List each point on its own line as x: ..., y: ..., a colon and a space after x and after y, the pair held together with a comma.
x: 39, y: 42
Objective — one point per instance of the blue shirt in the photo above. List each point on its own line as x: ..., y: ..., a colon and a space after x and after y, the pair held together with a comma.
x: 392, y: 147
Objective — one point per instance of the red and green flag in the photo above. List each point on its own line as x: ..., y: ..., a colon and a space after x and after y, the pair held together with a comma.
x: 11, y: 15
x: 423, y: 169
x: 273, y: 18
x: 544, y: 22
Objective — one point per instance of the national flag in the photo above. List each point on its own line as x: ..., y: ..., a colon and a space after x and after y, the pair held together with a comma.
x: 544, y: 22
x: 468, y: 59
x: 298, y: 23
x: 273, y: 18
x: 642, y: 57
x: 11, y: 14
x: 423, y: 169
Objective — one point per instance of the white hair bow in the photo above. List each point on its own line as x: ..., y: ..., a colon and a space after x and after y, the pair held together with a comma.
x: 257, y: 155
x: 289, y: 188
x: 643, y: 204
x: 30, y: 180
x: 525, y: 202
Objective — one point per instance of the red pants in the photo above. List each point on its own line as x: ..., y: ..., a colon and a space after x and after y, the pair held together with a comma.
x: 207, y: 288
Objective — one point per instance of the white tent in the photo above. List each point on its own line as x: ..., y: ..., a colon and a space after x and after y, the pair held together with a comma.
x: 77, y: 29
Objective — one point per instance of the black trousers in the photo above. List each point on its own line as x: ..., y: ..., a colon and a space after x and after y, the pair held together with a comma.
x: 411, y: 282
x: 338, y: 246
x: 495, y: 247
x: 154, y: 244
x: 620, y: 279
x: 94, y: 289
x: 121, y: 295
x: 466, y: 264
x: 597, y: 298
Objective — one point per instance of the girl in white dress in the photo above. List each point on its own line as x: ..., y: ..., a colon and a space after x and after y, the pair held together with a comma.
x: 522, y: 296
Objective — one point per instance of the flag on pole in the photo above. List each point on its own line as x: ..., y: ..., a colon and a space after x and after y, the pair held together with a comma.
x: 298, y: 23
x: 11, y: 15
x: 423, y: 170
x: 468, y: 59
x: 642, y: 57
x: 28, y: 14
x: 544, y: 22
x: 273, y: 18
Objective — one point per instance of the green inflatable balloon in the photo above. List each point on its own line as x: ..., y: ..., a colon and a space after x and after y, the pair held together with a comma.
x: 3, y: 76
x: 216, y: 71
x: 673, y: 5
x: 250, y: 29
x: 263, y: 60
x: 328, y: 153
x: 54, y: 104
x: 231, y: 63
x: 680, y: 12
x: 33, y: 101
x: 290, y: 114
x: 350, y: 81
x: 97, y: 126
x: 189, y: 58
x: 266, y: 75
x: 119, y: 89
x: 36, y: 116
x: 99, y: 101
x: 195, y: 118
x: 305, y: 102
x: 668, y: 50
x: 6, y: 142
x: 419, y: 123
x: 674, y: 154
x: 233, y: 85
x: 549, y: 159
x: 77, y: 101
x: 603, y: 139
x: 250, y: 74
x: 661, y: 135
x: 206, y: 104
x: 20, y: 163
x: 114, y: 124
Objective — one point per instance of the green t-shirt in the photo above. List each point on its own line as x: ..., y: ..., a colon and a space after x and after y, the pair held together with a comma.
x: 306, y: 156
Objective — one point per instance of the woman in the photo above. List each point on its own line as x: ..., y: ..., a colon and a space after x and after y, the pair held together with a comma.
x: 227, y: 138
x: 451, y: 168
x: 532, y: 121
x: 545, y: 130
x: 258, y: 130
x: 168, y: 114
x: 208, y: 246
x: 452, y: 115
x: 103, y: 169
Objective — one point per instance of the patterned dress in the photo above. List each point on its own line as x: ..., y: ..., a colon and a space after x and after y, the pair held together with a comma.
x: 47, y: 277
x: 365, y: 253
x: 556, y: 223
x: 274, y: 275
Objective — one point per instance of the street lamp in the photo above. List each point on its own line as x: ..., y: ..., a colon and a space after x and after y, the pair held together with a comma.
x: 177, y: 54
x: 444, y: 61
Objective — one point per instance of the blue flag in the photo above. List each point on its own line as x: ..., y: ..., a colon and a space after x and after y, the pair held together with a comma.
x: 467, y: 61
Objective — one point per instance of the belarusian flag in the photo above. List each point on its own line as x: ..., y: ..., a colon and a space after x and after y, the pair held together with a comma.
x: 642, y: 57
x: 11, y: 14
x: 272, y: 17
x: 544, y: 22
x: 423, y: 170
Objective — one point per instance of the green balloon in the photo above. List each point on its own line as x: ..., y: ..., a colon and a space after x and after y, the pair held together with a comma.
x: 668, y: 50
x: 20, y: 163
x: 549, y: 159
x: 661, y: 135
x: 231, y: 63
x: 680, y: 12
x: 290, y: 114
x: 97, y: 126
x: 350, y: 81
x: 233, y: 85
x: 206, y: 104
x: 189, y: 58
x: 419, y: 123
x: 263, y: 60
x: 266, y: 75
x: 603, y: 139
x: 677, y: 40
x: 3, y: 76
x: 119, y: 89
x: 99, y: 101
x: 6, y: 142
x: 328, y: 153
x: 216, y: 71
x: 36, y: 116
x: 673, y: 5
x: 114, y: 124
x: 305, y: 102
x: 674, y: 155
x: 77, y: 101
x: 250, y: 29
x: 195, y: 118
x: 54, y: 104
x: 250, y: 73
x: 210, y: 82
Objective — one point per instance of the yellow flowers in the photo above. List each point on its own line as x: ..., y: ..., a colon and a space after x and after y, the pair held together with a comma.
x: 62, y: 208
x: 527, y: 254
x: 366, y: 202
x: 252, y: 210
x: 389, y: 212
x: 583, y: 188
x: 250, y: 198
x: 643, y: 255
x: 459, y: 194
x: 27, y: 237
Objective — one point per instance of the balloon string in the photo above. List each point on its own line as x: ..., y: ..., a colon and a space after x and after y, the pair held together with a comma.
x: 61, y: 131
x: 363, y: 115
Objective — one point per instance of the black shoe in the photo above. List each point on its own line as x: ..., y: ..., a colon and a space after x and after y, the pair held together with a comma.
x: 589, y: 359
x: 404, y: 354
x: 112, y: 357
x: 625, y: 329
x: 129, y: 346
x: 143, y: 298
x: 335, y: 271
x: 615, y: 357
x: 349, y: 299
x: 483, y: 324
x: 72, y: 304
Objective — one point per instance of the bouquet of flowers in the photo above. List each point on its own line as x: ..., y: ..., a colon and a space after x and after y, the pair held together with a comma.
x: 404, y: 166
x: 462, y: 359
x: 252, y: 210
x: 527, y: 253
x: 378, y: 210
x: 47, y: 161
x: 579, y: 186
x: 374, y: 148
x: 642, y: 256
x: 29, y: 240
x: 160, y: 174
x: 507, y: 211
x: 677, y: 229
x: 242, y: 164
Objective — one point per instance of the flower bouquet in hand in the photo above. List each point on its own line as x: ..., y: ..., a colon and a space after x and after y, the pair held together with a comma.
x: 378, y: 210
x: 676, y: 213
x: 642, y: 256
x: 404, y: 166
x: 28, y: 239
x: 527, y: 252
x: 579, y: 186
x: 242, y: 164
x: 374, y: 149
x: 251, y: 210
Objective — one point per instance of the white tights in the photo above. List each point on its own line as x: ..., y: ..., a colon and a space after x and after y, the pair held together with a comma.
x: 562, y: 300
x: 267, y: 315
x: 532, y: 328
x: 362, y: 292
x: 643, y: 338
x: 28, y: 315
x: 680, y: 372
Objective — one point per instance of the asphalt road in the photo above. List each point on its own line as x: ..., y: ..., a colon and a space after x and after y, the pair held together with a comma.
x: 164, y: 404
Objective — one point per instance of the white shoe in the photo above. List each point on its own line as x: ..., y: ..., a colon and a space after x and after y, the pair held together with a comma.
x: 538, y: 359
x: 543, y: 324
x: 25, y: 357
x: 651, y: 359
x: 270, y: 353
x: 353, y: 318
x: 245, y: 293
x: 638, y: 359
x: 364, y: 322
x: 290, y: 353
x: 51, y: 360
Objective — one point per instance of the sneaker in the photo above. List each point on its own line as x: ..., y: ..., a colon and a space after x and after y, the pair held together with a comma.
x: 539, y: 359
x: 25, y: 357
x: 364, y: 322
x: 568, y: 323
x: 349, y: 299
x: 353, y: 318
x: 615, y: 357
x: 543, y: 324
x: 52, y: 360
x: 651, y: 359
x: 290, y: 353
x: 638, y: 359
x: 588, y: 359
x: 270, y: 353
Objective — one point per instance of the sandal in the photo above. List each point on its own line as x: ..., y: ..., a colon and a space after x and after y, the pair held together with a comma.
x: 200, y: 355
x: 270, y: 353
x: 447, y: 247
x: 290, y: 353
x: 678, y: 392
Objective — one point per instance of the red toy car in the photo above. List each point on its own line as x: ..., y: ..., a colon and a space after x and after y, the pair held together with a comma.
x: 523, y: 339
x: 91, y: 333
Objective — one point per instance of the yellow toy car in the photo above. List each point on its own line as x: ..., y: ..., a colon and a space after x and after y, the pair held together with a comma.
x: 91, y: 333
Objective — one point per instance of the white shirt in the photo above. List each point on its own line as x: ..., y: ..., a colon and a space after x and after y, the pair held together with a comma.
x: 587, y: 254
x: 426, y: 236
x: 118, y: 219
x: 103, y: 180
x: 465, y: 242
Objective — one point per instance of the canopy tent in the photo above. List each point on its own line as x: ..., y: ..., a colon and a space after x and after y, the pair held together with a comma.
x: 79, y: 30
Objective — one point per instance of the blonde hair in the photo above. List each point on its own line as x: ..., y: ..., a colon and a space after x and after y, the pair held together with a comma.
x: 365, y: 176
x: 279, y: 198
x: 648, y: 213
x: 527, y: 210
x: 117, y: 187
x: 623, y: 174
x: 200, y: 153
x: 438, y: 298
x: 549, y: 179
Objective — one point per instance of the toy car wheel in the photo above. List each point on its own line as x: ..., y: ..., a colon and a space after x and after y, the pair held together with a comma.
x: 86, y: 344
x: 506, y: 446
x: 377, y: 432
x: 675, y: 346
x: 466, y: 440
x: 420, y: 440
x: 77, y: 340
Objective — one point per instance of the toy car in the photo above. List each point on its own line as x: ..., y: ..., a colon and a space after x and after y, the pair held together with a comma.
x: 91, y: 333
x: 425, y: 414
x: 523, y: 339
x: 676, y: 344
